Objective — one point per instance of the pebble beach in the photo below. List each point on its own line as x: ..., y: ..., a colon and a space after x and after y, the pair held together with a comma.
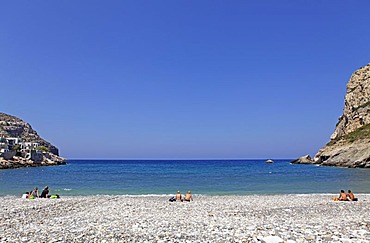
x: 262, y: 218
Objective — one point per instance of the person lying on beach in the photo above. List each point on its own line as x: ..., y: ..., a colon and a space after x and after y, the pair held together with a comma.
x: 188, y: 197
x: 178, y: 196
x: 342, y: 196
x: 45, y: 193
x: 351, y: 196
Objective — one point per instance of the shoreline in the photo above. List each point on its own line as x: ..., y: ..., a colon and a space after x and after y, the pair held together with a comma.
x: 331, y: 194
x: 198, y: 195
x: 252, y: 218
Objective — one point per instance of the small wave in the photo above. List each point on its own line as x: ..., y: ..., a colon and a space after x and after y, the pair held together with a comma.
x: 67, y: 189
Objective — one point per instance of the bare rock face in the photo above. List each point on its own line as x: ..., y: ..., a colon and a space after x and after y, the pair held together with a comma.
x: 351, y: 150
x: 346, y: 154
x: 356, y: 104
x: 349, y: 145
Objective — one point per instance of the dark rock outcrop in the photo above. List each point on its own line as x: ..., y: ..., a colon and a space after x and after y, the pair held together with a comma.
x: 349, y: 145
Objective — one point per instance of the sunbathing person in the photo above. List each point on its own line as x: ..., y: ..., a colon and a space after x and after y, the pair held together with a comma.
x: 342, y: 196
x: 351, y: 196
x: 178, y: 196
x: 188, y: 197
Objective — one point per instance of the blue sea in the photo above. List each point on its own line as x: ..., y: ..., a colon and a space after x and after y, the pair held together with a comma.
x: 165, y: 177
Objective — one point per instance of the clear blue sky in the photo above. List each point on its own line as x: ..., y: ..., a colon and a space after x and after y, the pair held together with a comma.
x: 181, y: 79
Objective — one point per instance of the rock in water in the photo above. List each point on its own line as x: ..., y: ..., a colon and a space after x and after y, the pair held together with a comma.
x: 303, y: 160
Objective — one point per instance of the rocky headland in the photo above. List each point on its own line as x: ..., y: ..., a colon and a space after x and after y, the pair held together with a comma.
x: 349, y: 145
x: 21, y: 146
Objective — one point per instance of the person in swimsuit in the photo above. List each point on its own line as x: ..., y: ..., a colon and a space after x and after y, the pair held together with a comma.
x: 178, y: 196
x: 351, y: 196
x: 342, y: 196
x: 188, y: 197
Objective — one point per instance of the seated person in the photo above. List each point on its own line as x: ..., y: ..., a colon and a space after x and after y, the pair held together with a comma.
x: 45, y: 193
x: 178, y: 196
x: 342, y: 196
x: 351, y: 196
x: 35, y: 192
x: 188, y: 197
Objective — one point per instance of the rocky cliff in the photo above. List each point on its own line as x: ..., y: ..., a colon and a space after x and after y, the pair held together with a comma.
x: 13, y: 127
x: 349, y: 145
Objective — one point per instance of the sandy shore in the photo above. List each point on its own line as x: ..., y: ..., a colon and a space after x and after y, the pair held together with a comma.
x: 286, y: 218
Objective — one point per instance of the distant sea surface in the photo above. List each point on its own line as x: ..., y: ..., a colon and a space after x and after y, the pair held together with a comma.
x: 165, y: 177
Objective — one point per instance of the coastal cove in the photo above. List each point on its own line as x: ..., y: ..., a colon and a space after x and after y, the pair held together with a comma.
x: 165, y: 177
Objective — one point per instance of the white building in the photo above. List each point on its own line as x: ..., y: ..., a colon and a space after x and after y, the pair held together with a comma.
x: 29, y: 145
x: 28, y: 149
x: 12, y: 142
x: 3, y: 146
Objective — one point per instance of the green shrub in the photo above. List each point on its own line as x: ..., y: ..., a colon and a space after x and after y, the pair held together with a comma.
x: 17, y: 147
x: 42, y: 149
x: 361, y: 133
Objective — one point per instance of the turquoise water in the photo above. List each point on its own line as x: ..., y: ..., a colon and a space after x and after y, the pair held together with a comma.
x: 207, y: 177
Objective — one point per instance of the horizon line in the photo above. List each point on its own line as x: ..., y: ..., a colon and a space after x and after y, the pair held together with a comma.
x: 178, y: 158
